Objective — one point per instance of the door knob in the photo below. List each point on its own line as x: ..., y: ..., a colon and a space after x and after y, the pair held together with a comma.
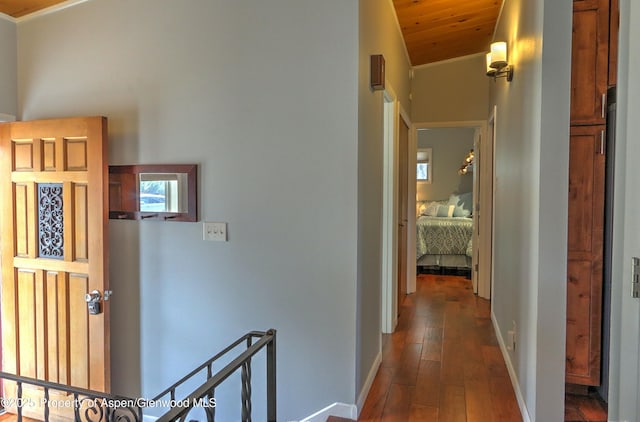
x: 93, y: 302
x: 94, y: 296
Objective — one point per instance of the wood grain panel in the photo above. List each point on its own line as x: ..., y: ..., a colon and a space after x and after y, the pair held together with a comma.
x: 584, y: 265
x: 75, y: 154
x: 79, y: 328
x: 80, y: 222
x: 64, y: 330
x: 23, y: 155
x: 22, y: 218
x: 578, y: 321
x: 614, y: 29
x: 52, y: 321
x: 589, y: 61
x: 42, y: 343
x: 27, y: 314
x: 582, y: 153
x: 49, y: 155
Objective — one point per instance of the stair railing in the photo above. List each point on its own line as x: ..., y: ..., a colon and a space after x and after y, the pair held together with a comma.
x: 94, y: 406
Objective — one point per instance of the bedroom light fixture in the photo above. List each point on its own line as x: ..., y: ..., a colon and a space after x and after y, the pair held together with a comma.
x: 467, y: 164
x: 497, y: 64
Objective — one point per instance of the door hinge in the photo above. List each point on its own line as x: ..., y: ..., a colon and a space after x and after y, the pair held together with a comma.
x: 635, y: 277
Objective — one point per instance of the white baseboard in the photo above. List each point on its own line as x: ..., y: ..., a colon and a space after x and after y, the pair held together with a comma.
x: 336, y: 409
x: 512, y: 373
x: 369, y: 382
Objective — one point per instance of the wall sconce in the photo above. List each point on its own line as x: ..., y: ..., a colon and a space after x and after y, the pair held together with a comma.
x: 377, y: 72
x: 497, y: 64
x: 467, y: 164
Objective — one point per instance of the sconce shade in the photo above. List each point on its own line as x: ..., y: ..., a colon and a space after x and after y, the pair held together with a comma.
x: 498, y: 55
x: 497, y: 64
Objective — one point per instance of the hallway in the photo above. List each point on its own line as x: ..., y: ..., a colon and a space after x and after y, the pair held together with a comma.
x: 443, y: 363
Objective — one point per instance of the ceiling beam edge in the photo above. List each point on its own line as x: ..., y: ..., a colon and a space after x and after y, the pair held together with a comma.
x: 51, y: 9
x: 399, y: 28
x: 6, y: 17
x: 454, y: 59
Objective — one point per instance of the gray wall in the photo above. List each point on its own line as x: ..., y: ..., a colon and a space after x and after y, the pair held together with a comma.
x: 532, y: 155
x: 379, y: 34
x: 449, y: 148
x: 452, y: 90
x: 8, y: 68
x: 263, y: 96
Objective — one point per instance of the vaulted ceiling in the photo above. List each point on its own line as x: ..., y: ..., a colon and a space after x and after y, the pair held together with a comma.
x: 19, y: 8
x: 433, y: 30
x: 436, y: 30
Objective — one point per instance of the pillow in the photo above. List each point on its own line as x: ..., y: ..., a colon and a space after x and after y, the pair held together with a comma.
x: 445, y: 210
x: 430, y: 209
x: 458, y: 211
x: 464, y: 201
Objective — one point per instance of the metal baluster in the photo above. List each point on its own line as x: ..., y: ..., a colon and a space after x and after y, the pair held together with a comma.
x: 19, y: 401
x: 271, y: 377
x: 46, y: 404
x: 212, y: 394
x: 76, y: 406
x: 246, y: 391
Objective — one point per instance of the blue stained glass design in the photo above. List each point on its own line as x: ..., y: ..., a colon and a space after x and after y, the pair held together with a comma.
x: 50, y: 221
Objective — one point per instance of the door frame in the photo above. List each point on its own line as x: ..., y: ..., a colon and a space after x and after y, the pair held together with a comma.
x: 624, y: 374
x: 483, y: 283
x: 389, y: 256
x: 392, y: 113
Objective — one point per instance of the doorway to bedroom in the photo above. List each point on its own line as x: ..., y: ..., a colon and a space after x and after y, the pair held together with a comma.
x: 453, y: 179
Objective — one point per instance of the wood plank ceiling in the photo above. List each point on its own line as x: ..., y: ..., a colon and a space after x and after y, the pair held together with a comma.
x: 433, y: 30
x: 19, y: 8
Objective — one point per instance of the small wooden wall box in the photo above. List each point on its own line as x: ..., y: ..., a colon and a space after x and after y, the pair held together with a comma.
x: 377, y: 72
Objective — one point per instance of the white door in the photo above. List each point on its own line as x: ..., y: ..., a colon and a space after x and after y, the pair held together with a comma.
x: 624, y: 397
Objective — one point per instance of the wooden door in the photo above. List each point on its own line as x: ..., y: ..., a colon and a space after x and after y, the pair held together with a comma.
x: 53, y: 184
x: 589, y: 61
x: 585, y: 254
x: 403, y: 209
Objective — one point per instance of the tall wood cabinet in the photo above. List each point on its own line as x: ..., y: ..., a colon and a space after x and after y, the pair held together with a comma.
x: 589, y: 82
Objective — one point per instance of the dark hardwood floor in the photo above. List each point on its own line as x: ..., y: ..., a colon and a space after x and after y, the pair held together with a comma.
x: 443, y: 363
x: 584, y: 408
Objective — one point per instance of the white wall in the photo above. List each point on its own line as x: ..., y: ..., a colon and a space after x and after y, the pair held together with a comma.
x: 379, y: 34
x: 449, y: 148
x: 532, y: 142
x: 451, y: 90
x: 8, y: 68
x: 263, y: 96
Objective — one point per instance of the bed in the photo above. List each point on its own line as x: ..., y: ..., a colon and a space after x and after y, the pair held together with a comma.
x: 443, y: 241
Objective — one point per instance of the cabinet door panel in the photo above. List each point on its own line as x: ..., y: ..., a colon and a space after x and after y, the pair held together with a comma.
x: 585, y: 253
x: 589, y: 61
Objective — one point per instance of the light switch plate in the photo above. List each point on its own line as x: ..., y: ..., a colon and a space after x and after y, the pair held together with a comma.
x: 214, y: 231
